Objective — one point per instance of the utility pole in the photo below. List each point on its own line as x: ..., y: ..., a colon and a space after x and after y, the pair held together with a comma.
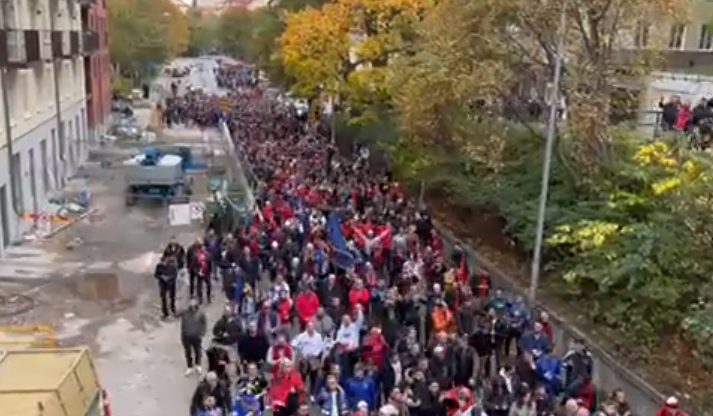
x: 547, y: 163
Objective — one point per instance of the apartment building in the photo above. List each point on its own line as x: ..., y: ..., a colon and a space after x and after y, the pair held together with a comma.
x: 43, y: 114
x: 97, y: 66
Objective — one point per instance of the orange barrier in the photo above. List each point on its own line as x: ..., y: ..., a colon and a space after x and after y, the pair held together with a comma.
x: 49, y: 338
x: 44, y: 217
x: 105, y: 403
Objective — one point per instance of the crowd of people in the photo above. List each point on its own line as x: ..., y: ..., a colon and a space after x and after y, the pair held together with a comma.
x: 344, y: 299
x: 696, y: 121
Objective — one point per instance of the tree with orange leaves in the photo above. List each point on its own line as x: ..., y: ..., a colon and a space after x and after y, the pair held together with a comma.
x: 344, y: 47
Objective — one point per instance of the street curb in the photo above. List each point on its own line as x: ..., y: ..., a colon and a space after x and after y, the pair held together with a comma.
x: 70, y: 223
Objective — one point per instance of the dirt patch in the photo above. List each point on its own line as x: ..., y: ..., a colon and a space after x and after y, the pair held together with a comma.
x: 682, y: 374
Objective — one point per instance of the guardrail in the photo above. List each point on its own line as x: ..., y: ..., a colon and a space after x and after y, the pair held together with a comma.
x: 237, y: 170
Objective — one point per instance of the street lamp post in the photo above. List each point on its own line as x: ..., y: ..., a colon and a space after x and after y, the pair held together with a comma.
x: 547, y: 164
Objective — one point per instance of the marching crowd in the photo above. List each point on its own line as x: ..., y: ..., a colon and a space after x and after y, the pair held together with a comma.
x: 344, y: 299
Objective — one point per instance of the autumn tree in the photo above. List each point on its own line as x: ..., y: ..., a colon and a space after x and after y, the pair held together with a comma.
x: 345, y: 46
x: 145, y: 34
x: 488, y: 52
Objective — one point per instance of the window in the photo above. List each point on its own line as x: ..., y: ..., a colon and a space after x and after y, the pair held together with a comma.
x: 33, y: 181
x: 641, y: 37
x: 55, y: 158
x: 62, y: 145
x: 16, y: 172
x: 678, y: 33
x: 45, y: 166
x: 705, y: 41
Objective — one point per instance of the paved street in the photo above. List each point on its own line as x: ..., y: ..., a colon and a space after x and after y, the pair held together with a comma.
x: 93, y: 283
x: 142, y: 366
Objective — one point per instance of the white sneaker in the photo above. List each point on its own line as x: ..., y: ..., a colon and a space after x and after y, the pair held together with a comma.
x: 188, y: 372
x: 198, y: 370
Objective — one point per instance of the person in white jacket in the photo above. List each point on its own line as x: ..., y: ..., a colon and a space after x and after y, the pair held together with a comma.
x: 310, y: 346
x: 347, y: 335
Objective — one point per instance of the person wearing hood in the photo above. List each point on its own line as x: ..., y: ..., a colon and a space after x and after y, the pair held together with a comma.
x: 306, y: 306
x: 361, y: 387
x: 670, y: 408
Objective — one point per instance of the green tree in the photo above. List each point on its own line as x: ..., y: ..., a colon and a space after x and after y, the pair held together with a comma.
x: 144, y: 35
x: 203, y: 30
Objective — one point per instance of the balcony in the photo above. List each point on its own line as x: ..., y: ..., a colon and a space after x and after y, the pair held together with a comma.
x: 61, y: 44
x: 33, y: 46
x: 90, y: 42
x: 12, y: 48
x: 75, y: 43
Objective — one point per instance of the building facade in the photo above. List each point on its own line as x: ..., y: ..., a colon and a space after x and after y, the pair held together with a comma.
x: 97, y: 66
x: 43, y: 111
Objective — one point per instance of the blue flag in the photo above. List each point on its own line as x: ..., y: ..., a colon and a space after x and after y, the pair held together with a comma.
x: 342, y: 257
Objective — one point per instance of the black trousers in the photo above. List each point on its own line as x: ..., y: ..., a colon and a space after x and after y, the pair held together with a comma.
x: 167, y: 291
x: 196, y: 284
x: 193, y: 350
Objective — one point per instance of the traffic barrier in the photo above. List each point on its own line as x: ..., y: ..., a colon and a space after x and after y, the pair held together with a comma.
x: 106, y: 405
x: 49, y: 339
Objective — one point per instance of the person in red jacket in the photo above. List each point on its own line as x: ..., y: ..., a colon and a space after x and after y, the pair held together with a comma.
x: 306, y: 305
x: 279, y: 351
x: 547, y: 327
x: 286, y: 390
x: 284, y: 308
x: 670, y: 408
x: 359, y: 295
x: 374, y: 348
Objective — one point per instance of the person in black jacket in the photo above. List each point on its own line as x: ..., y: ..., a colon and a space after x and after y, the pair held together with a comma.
x: 175, y: 251
x: 253, y: 345
x: 227, y: 329
x: 218, y: 361
x: 166, y: 274
x: 214, y: 387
